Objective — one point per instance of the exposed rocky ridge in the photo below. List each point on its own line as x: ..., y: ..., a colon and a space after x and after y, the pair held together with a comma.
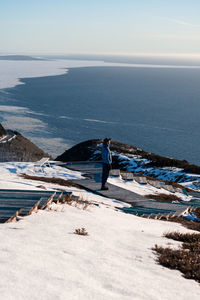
x: 20, y: 148
x: 2, y: 131
x: 90, y: 150
x: 80, y: 152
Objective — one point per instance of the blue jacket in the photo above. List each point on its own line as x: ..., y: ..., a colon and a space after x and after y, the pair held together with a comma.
x: 106, y: 154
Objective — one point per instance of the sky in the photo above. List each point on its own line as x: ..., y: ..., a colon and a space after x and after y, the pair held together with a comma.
x: 99, y: 26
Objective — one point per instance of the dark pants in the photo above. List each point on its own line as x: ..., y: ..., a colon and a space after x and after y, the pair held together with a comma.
x: 105, y: 173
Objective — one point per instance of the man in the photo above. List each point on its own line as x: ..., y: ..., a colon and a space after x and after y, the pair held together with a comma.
x: 106, y: 161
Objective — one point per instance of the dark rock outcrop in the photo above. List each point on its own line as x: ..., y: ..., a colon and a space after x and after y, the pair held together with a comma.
x: 80, y: 152
x: 2, y: 131
x: 19, y: 148
x: 90, y: 150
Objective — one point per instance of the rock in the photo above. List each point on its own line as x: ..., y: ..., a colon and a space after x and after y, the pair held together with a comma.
x: 19, y: 148
x: 2, y: 131
x: 90, y: 150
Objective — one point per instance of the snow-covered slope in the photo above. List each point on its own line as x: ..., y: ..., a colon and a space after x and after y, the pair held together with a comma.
x: 42, y: 258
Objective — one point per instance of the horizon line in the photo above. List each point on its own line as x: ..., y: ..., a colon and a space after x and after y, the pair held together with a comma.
x: 152, y: 54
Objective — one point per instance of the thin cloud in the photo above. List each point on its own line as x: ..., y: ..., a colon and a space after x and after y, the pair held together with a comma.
x: 176, y: 37
x: 180, y: 22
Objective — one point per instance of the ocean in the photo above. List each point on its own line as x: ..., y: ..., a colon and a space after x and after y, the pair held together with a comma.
x: 156, y: 109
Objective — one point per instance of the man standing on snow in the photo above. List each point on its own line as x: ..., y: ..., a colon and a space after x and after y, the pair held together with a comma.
x: 106, y: 161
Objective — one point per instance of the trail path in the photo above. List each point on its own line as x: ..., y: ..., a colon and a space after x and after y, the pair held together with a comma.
x: 140, y: 204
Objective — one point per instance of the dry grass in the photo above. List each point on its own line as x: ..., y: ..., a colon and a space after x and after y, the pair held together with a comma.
x: 186, y: 223
x: 186, y: 259
x: 75, y: 201
x: 68, y: 199
x: 81, y: 231
x: 59, y: 181
x: 164, y: 197
x: 185, y: 238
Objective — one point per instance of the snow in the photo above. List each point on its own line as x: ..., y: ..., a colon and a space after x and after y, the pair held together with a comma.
x: 11, y: 71
x: 145, y: 189
x: 10, y: 172
x: 137, y: 165
x: 42, y: 258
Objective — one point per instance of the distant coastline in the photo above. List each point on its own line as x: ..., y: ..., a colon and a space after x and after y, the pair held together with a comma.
x: 146, y: 107
x: 19, y: 57
x: 15, y: 68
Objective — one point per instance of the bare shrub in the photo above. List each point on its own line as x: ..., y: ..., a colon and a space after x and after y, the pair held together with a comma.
x: 67, y: 199
x: 186, y: 223
x: 164, y: 197
x: 183, y: 237
x: 186, y: 259
x: 75, y: 201
x: 81, y: 231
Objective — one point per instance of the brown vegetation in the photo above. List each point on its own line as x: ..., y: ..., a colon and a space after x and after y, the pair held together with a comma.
x: 75, y: 201
x: 81, y: 231
x: 164, y: 197
x: 193, y: 225
x: 59, y: 181
x: 186, y: 259
x: 183, y: 237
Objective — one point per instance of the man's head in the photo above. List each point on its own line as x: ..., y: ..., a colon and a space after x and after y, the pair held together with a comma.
x: 106, y: 141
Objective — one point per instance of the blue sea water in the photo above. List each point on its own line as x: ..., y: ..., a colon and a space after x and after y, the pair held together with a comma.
x: 157, y: 109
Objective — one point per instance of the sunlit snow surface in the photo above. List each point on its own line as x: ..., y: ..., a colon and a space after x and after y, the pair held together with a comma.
x: 42, y: 258
x: 137, y: 165
x: 10, y: 172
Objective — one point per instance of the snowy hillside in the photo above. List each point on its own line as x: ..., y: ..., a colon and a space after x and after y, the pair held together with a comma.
x: 132, y: 159
x: 42, y: 258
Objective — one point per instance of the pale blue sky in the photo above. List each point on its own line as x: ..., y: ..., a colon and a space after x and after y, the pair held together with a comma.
x: 99, y: 26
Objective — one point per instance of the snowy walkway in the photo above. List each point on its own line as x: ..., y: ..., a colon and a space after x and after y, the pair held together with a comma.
x: 140, y: 204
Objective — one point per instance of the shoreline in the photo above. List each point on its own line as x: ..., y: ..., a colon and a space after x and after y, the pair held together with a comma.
x: 35, y: 122
x: 13, y: 72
